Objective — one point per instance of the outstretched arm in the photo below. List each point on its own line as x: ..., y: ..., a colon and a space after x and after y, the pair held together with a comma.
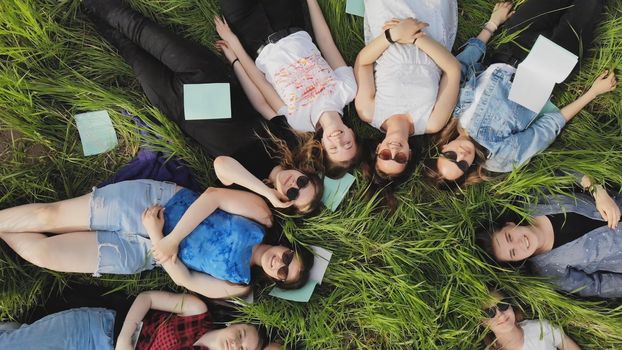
x: 232, y: 201
x: 201, y: 283
x: 323, y: 37
x: 255, y: 75
x: 500, y: 14
x: 606, y: 82
x: 250, y: 89
x: 230, y: 171
x: 182, y: 304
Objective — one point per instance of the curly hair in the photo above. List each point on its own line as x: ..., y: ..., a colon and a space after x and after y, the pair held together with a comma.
x: 476, y: 172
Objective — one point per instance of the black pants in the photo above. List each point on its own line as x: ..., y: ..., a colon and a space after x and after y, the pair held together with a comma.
x: 253, y: 20
x: 569, y: 23
x: 163, y: 62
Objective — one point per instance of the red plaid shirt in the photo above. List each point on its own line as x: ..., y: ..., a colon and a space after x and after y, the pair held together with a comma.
x: 167, y: 331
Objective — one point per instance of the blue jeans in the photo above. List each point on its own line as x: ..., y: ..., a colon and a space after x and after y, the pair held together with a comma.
x: 75, y: 329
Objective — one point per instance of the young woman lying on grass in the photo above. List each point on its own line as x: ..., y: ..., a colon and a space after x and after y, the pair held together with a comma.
x: 289, y: 74
x: 219, y: 234
x: 575, y: 241
x: 511, y: 332
x: 164, y: 62
x: 490, y: 132
x: 408, y: 79
x: 169, y: 321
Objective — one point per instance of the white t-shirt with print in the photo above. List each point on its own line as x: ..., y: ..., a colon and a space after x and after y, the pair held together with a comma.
x: 540, y: 335
x: 304, y: 80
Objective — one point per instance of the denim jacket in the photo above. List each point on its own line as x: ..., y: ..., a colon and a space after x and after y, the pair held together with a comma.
x: 590, y: 265
x: 511, y: 133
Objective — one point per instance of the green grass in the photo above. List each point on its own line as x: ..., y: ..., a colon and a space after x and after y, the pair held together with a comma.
x: 414, y: 279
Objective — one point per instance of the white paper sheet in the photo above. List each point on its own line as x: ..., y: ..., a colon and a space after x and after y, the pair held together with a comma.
x: 546, y: 65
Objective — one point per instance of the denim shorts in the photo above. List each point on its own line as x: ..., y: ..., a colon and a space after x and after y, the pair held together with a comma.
x: 83, y: 328
x: 116, y: 216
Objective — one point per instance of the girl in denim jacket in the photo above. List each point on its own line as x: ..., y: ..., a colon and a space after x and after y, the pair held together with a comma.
x: 573, y: 240
x: 490, y: 132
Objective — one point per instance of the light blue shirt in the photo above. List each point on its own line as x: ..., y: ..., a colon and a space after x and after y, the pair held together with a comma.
x: 590, y: 265
x: 511, y: 133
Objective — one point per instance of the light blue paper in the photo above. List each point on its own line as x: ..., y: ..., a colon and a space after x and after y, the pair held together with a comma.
x: 207, y: 101
x: 321, y: 259
x: 96, y: 132
x: 355, y: 7
x: 301, y: 295
x: 335, y: 190
x: 549, y: 107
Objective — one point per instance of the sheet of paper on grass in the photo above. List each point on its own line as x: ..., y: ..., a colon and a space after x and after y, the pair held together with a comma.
x: 96, y: 132
x: 355, y: 7
x: 546, y: 65
x: 207, y: 101
x: 316, y: 275
x: 335, y: 190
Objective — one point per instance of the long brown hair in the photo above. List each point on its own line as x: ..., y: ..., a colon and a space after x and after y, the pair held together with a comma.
x: 476, y: 172
x: 306, y: 158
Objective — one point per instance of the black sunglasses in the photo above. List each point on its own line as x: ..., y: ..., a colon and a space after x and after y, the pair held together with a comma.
x: 453, y: 157
x: 503, y: 305
x: 400, y: 157
x: 287, y: 258
x: 294, y: 192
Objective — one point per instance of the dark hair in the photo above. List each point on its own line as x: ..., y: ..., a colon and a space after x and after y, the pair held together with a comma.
x: 476, y: 172
x: 382, y: 184
x: 337, y: 170
x: 275, y: 237
x: 484, y: 240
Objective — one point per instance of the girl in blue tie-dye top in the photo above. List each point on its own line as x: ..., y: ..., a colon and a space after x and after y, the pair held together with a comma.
x: 220, y: 236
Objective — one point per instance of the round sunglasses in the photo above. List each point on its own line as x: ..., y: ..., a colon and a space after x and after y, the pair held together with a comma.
x: 503, y: 305
x: 453, y: 157
x: 286, y: 258
x: 294, y: 192
x: 400, y: 157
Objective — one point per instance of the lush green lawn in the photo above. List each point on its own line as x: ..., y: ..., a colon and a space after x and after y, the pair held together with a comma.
x: 411, y: 280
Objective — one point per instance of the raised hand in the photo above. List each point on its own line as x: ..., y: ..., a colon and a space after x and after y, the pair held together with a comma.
x: 501, y: 13
x: 405, y: 31
x: 605, y: 82
x: 607, y: 207
x: 223, y: 29
x: 225, y: 49
x: 278, y: 200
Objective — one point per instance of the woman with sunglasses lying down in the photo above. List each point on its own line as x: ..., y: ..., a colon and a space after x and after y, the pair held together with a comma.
x: 510, y: 331
x: 161, y: 321
x: 219, y: 234
x: 490, y: 132
x: 163, y: 62
x: 573, y: 240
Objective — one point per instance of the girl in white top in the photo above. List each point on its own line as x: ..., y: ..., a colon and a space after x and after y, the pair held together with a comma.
x: 525, y: 335
x: 309, y: 86
x: 415, y: 85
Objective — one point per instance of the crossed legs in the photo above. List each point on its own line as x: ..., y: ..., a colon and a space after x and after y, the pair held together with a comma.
x: 72, y: 249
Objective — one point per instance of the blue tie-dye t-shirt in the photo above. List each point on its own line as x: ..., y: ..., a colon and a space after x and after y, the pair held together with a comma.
x: 221, y: 245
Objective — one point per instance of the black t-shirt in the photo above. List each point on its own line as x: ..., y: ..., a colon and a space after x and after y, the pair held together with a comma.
x: 571, y: 226
x: 257, y: 157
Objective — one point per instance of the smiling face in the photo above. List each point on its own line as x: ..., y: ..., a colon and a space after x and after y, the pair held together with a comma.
x: 398, y: 149
x: 503, y: 321
x: 272, y: 262
x: 339, y: 144
x: 236, y: 337
x: 514, y: 243
x: 464, y: 150
x: 286, y: 179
